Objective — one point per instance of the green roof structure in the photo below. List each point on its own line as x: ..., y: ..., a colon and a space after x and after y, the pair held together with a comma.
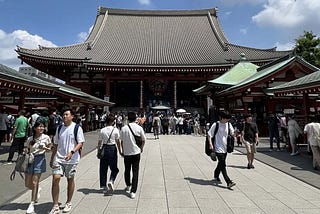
x: 266, y: 71
x: 237, y: 73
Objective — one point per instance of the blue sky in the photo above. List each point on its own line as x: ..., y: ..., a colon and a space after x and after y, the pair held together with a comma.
x: 252, y: 23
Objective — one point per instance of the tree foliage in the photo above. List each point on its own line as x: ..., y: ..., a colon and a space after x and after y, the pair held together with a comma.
x: 308, y: 47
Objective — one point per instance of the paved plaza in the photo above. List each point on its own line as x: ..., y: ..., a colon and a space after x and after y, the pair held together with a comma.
x: 176, y: 177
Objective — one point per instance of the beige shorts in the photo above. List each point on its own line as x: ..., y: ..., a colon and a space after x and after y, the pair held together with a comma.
x: 68, y: 170
x: 251, y: 147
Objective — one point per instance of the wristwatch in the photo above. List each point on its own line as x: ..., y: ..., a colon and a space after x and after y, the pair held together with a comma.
x: 72, y: 152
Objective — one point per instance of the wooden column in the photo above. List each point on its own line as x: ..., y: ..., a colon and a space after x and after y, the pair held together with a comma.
x: 141, y: 95
x: 107, y: 86
x: 22, y: 100
x: 175, y: 94
x: 305, y: 110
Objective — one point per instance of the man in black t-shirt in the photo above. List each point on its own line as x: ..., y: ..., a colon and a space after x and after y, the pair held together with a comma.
x: 250, y: 138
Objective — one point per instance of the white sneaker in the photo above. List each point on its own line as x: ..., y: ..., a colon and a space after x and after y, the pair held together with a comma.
x: 55, y: 210
x: 127, y: 189
x: 38, y: 194
x: 30, y: 208
x: 110, y: 186
x: 132, y: 195
x: 67, y: 208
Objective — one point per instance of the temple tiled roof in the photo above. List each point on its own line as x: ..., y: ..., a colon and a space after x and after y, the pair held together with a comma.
x: 307, y: 84
x: 11, y: 75
x: 154, y: 38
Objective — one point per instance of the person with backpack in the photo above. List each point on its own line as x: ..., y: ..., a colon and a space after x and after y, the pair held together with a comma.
x: 10, y: 122
x: 55, y: 120
x: 219, y: 146
x: 67, y: 144
x: 3, y: 125
x: 312, y: 130
x: 37, y: 144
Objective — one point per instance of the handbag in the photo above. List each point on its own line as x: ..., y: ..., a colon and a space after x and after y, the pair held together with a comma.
x: 230, y: 141
x: 100, y: 152
x: 137, y: 138
x: 22, y: 163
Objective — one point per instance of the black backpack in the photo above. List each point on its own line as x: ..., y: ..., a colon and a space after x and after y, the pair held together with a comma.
x: 207, y: 150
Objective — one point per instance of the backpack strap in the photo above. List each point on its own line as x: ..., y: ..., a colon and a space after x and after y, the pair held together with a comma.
x: 215, y: 131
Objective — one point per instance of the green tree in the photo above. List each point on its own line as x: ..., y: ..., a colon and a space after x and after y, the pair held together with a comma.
x: 308, y: 47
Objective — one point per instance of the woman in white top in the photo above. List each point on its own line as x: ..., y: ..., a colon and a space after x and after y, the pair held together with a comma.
x: 37, y: 144
x: 294, y: 131
x: 109, y: 138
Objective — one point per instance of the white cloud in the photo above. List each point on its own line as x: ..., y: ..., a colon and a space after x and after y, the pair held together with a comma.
x: 82, y: 36
x: 9, y: 41
x: 284, y: 47
x: 242, y: 2
x: 289, y: 14
x: 244, y: 31
x: 144, y: 2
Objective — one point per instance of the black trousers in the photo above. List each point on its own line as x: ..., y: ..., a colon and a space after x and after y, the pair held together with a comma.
x: 131, y: 162
x: 110, y: 159
x: 221, y: 167
x: 17, y: 144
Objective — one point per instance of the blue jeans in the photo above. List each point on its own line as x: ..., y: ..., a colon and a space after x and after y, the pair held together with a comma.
x: 132, y: 162
x: 221, y: 167
x: 110, y: 159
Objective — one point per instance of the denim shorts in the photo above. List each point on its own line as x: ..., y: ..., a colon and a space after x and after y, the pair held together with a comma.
x: 38, y: 166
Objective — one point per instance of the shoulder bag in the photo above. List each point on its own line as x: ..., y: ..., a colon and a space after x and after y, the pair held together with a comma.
x: 209, y: 152
x: 137, y: 138
x: 22, y: 163
x: 100, y: 152
x: 230, y: 141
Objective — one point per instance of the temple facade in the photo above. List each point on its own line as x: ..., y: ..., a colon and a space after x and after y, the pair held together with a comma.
x: 144, y: 58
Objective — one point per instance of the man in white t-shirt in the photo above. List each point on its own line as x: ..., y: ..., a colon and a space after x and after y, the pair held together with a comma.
x: 312, y: 130
x: 65, y: 157
x: 219, y: 146
x: 131, y: 152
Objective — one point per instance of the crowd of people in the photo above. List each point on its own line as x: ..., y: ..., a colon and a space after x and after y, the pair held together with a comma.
x: 63, y: 136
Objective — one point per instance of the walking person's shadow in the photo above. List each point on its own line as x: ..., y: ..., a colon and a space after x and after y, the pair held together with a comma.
x: 204, y: 182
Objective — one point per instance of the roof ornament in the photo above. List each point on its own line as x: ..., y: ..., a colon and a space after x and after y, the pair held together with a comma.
x: 243, y: 57
x: 88, y: 46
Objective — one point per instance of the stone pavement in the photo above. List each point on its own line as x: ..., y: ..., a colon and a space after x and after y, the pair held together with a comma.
x: 176, y: 177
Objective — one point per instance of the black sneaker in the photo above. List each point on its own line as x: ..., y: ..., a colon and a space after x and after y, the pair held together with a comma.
x: 217, y: 180
x: 231, y: 184
x: 248, y: 166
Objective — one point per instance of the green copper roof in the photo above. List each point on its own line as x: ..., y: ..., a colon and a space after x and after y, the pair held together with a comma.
x: 237, y: 73
x: 304, y: 83
x: 266, y: 71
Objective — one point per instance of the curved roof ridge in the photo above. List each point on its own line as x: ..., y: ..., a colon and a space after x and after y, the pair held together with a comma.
x: 215, y: 31
x: 259, y: 49
x: 41, y: 47
x: 100, y: 30
x: 116, y: 11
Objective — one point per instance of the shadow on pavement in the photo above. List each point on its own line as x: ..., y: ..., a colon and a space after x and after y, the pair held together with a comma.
x: 204, y: 182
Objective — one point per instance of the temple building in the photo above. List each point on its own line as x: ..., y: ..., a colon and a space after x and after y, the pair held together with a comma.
x: 144, y: 58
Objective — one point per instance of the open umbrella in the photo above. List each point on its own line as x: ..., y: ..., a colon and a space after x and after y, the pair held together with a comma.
x: 181, y: 110
x: 160, y: 107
